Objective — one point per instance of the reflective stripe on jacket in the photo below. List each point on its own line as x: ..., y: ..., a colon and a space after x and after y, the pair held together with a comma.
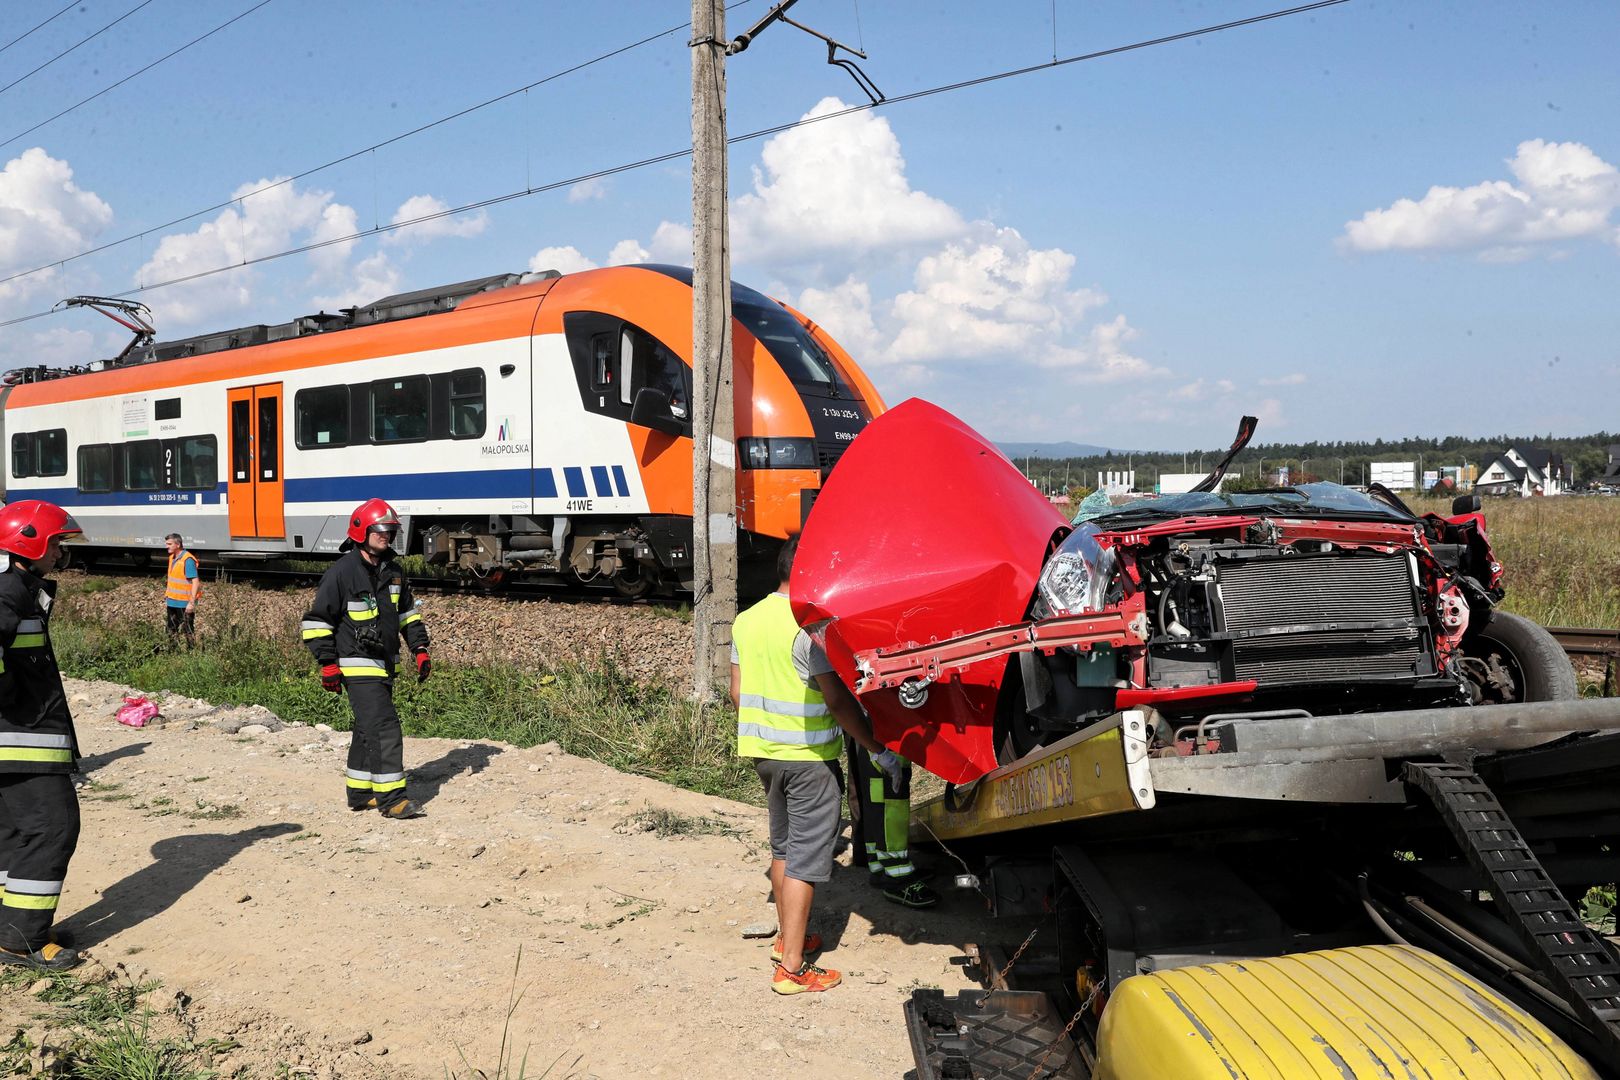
x: 359, y: 614
x: 179, y: 584
x: 778, y: 716
x: 36, y: 728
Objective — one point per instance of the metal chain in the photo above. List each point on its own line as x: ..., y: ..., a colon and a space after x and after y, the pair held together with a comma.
x: 1001, y: 977
x: 1085, y: 1006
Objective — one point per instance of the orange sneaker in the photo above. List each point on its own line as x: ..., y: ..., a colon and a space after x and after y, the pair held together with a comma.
x: 808, y: 979
x: 812, y: 943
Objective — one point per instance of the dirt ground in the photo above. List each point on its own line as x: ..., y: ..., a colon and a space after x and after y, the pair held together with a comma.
x: 335, y: 944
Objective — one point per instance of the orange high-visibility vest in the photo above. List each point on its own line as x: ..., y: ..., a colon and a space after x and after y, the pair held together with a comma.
x: 180, y: 585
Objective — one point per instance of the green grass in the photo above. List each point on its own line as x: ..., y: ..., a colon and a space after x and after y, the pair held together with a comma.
x: 1559, y: 556
x: 590, y: 710
x: 105, y: 1028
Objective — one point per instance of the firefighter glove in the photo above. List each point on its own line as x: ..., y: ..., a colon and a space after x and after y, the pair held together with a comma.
x: 424, y: 666
x: 893, y: 766
x: 329, y: 678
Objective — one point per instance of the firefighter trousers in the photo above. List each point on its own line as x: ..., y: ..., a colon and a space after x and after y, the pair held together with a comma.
x: 377, y: 750
x: 39, y: 829
x: 885, y: 815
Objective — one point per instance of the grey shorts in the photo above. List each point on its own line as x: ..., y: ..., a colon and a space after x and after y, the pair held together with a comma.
x: 803, y: 797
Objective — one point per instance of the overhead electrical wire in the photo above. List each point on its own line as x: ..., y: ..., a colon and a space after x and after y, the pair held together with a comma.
x: 353, y: 154
x: 677, y: 154
x: 75, y: 45
x: 40, y: 26
x: 133, y: 74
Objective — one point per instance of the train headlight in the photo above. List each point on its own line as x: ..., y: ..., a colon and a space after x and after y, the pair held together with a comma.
x: 776, y: 453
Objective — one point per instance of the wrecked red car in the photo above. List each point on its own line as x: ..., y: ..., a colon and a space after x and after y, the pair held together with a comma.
x: 976, y: 623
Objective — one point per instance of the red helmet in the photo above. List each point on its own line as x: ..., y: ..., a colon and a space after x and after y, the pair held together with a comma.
x: 26, y: 527
x: 373, y: 513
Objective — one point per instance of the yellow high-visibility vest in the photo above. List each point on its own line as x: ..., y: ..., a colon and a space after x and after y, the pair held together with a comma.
x: 778, y: 716
x: 179, y: 584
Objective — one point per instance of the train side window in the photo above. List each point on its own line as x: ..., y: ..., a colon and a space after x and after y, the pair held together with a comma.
x: 656, y: 365
x: 143, y: 465
x: 241, y: 441
x: 604, y: 362
x: 593, y: 345
x: 399, y: 409
x: 96, y: 469
x: 627, y: 389
x: 269, y: 438
x: 22, y: 454
x: 198, y: 465
x: 467, y: 404
x: 321, y: 417
x: 50, y: 452
x: 600, y: 343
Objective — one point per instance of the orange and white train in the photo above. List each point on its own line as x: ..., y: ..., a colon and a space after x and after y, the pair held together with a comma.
x: 535, y: 423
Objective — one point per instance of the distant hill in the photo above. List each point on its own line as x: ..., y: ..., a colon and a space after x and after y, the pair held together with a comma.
x: 1058, y: 450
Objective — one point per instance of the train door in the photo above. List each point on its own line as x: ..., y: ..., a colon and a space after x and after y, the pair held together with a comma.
x: 255, y: 492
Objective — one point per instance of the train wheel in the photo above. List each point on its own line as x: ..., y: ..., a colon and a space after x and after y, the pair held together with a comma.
x: 635, y: 581
x: 141, y: 559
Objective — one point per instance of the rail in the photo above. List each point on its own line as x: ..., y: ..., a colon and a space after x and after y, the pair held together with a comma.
x: 1591, y: 641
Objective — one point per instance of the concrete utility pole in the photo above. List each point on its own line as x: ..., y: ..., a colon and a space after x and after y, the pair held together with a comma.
x: 714, y: 456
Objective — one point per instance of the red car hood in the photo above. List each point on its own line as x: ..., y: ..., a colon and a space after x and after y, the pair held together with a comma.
x: 923, y: 531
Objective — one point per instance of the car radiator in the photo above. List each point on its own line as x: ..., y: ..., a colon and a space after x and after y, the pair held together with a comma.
x: 1323, y: 618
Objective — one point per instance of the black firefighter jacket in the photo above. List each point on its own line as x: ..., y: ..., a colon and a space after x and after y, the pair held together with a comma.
x: 359, y: 613
x: 36, y: 728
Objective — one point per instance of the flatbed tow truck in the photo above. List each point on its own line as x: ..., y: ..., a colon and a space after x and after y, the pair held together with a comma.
x: 1283, y: 787
x: 1369, y: 895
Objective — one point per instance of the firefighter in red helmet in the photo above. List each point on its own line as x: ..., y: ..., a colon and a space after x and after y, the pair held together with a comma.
x: 39, y: 810
x: 362, y: 608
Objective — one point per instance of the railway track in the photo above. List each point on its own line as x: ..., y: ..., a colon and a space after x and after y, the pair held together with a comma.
x: 1591, y: 641
x: 572, y: 591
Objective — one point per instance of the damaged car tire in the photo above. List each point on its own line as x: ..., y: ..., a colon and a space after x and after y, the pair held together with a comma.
x: 1526, y: 662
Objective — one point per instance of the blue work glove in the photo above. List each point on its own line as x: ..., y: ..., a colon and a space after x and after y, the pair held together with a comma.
x: 893, y: 766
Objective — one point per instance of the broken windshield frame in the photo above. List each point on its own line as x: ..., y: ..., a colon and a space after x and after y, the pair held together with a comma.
x: 1320, y: 499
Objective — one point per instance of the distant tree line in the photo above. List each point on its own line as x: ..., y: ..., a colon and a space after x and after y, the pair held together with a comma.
x: 1307, y: 461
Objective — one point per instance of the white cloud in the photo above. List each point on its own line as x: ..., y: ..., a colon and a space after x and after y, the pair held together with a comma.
x: 1563, y: 192
x: 586, y: 190
x: 263, y: 224
x: 837, y: 187
x: 44, y: 215
x: 435, y: 228
x: 372, y: 278
x: 1202, y: 389
x: 671, y: 243
x: 564, y: 260
x: 628, y: 251
x: 970, y: 311
x: 1293, y: 378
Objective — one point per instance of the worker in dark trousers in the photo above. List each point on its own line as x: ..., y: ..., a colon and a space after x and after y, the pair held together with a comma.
x: 39, y: 810
x: 361, y: 609
x: 884, y: 823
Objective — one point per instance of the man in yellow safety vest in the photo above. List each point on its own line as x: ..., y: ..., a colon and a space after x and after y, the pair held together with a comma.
x: 792, y: 712
x: 180, y: 597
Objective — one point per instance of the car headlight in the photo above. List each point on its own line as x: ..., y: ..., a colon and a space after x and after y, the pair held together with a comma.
x: 1075, y: 579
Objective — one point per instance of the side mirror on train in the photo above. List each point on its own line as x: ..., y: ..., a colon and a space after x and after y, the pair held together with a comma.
x: 651, y: 409
x: 1465, y: 504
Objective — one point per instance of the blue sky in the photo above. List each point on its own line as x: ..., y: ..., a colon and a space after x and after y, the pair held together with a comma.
x: 1371, y: 220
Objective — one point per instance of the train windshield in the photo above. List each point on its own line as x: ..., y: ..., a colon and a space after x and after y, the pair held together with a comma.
x: 789, y: 343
